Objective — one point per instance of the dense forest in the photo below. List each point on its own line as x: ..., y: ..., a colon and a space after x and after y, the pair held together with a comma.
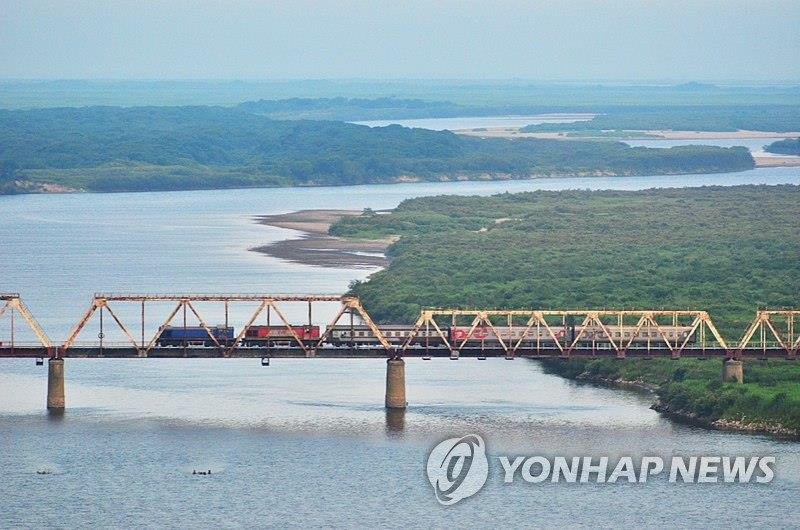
x: 728, y: 250
x: 776, y: 118
x: 165, y: 148
x: 788, y: 146
x: 352, y: 109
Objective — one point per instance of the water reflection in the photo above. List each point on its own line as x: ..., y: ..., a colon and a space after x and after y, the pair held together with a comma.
x: 55, y: 415
x: 395, y: 421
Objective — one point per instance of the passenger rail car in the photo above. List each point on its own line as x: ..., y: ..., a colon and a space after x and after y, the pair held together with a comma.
x: 587, y: 335
x: 394, y: 334
x: 486, y: 336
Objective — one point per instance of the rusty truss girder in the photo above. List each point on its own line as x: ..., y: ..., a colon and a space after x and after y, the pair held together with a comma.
x: 184, y: 303
x: 11, y: 302
x: 217, y: 297
x: 701, y: 323
x: 535, y: 332
x: 766, y: 325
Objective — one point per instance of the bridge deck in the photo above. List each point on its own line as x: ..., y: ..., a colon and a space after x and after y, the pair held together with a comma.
x: 378, y: 352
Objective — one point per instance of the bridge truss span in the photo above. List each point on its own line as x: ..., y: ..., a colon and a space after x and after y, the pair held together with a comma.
x: 200, y: 325
x: 770, y: 328
x: 539, y: 332
x: 11, y: 304
x: 187, y: 305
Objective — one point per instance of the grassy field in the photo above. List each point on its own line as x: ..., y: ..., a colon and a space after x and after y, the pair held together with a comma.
x: 728, y: 250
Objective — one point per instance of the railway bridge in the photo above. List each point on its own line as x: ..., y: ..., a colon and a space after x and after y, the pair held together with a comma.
x: 266, y: 326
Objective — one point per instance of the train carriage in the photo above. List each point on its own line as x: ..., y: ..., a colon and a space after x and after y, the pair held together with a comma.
x: 281, y: 336
x: 396, y: 335
x: 194, y: 336
x: 486, y: 336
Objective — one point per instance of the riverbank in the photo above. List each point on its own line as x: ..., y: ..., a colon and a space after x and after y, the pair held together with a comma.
x: 690, y: 391
x: 777, y: 161
x: 315, y: 247
x: 531, y: 251
x: 516, y: 132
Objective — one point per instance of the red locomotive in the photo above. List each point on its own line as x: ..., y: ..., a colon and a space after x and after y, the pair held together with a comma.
x: 280, y: 335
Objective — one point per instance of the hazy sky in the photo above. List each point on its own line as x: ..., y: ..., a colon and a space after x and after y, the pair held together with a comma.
x: 547, y: 40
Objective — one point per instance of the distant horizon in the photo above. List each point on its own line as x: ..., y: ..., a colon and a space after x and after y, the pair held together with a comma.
x: 489, y: 80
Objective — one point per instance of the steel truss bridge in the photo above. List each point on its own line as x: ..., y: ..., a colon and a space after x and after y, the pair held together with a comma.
x: 772, y: 333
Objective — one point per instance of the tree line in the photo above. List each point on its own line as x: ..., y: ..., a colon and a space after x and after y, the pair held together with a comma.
x: 119, y: 149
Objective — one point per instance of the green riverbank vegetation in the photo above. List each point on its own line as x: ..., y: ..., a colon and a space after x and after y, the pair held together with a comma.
x: 728, y: 250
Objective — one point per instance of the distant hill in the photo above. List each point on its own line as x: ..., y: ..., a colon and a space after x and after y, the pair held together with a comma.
x: 498, y: 93
x: 694, y: 86
x: 353, y: 109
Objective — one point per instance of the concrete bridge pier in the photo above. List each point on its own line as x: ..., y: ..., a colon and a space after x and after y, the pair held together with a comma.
x: 732, y: 371
x: 396, y: 384
x: 55, y: 384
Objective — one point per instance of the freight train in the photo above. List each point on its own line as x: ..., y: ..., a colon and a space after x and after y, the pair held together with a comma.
x: 481, y: 336
x: 485, y: 336
x: 280, y: 335
x: 193, y: 336
x: 274, y: 336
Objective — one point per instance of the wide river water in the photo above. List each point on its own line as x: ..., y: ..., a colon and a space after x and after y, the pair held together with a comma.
x: 308, y: 442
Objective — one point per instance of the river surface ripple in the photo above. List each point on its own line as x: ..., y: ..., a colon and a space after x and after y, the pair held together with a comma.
x: 308, y: 442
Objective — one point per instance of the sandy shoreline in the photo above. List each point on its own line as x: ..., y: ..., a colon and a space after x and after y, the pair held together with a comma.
x: 316, y: 247
x: 777, y: 161
x: 514, y: 132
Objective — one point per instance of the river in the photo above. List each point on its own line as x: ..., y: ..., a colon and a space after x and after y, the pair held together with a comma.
x: 454, y: 124
x: 308, y: 442
x: 755, y: 145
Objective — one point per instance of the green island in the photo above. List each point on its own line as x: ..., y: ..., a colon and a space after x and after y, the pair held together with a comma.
x: 788, y: 146
x: 110, y: 149
x: 728, y: 250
